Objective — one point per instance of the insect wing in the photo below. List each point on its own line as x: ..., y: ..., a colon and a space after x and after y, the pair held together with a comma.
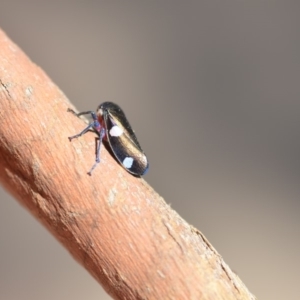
x: 124, y: 144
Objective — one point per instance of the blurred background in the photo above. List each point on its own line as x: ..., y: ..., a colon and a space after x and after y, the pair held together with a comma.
x: 212, y: 90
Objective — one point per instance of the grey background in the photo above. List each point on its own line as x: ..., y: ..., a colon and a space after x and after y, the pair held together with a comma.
x: 212, y: 90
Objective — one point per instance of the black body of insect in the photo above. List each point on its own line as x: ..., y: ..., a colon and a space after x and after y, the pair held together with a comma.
x: 110, y: 123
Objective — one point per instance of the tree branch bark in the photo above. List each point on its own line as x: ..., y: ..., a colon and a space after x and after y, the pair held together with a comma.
x: 113, y: 224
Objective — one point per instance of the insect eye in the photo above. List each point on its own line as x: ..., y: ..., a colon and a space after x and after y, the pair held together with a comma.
x: 100, y: 111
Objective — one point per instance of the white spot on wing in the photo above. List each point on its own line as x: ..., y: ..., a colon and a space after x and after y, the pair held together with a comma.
x: 127, y: 162
x: 116, y: 131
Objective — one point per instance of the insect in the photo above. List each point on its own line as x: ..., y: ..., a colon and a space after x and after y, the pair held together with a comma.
x: 110, y: 124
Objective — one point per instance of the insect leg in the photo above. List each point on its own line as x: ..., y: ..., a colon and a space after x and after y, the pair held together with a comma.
x: 81, y: 133
x: 94, y: 125
x: 98, y: 145
x: 81, y: 113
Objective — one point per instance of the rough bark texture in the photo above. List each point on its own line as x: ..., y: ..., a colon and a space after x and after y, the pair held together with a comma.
x: 112, y: 223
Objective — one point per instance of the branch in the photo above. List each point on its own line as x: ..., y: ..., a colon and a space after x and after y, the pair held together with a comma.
x: 113, y: 223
